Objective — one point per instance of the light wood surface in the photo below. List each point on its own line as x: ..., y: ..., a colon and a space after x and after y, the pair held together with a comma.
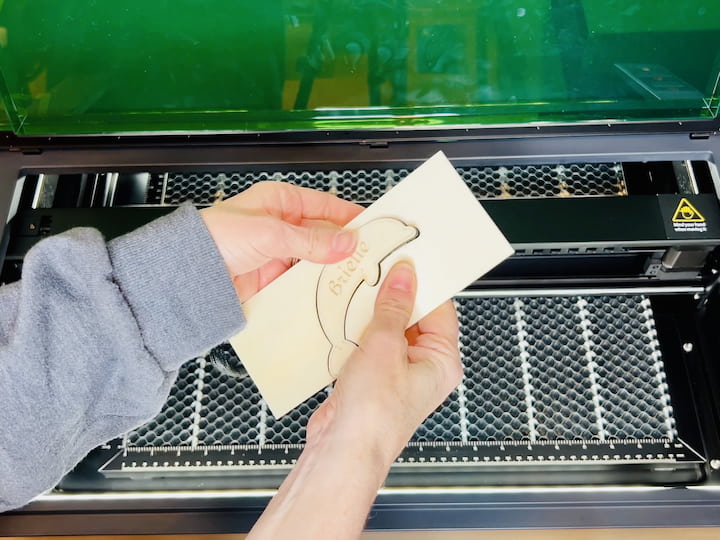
x: 428, y: 230
x: 569, y: 534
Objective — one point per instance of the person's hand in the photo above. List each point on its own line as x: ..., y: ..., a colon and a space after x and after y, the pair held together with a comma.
x: 386, y: 388
x: 395, y: 378
x: 260, y: 232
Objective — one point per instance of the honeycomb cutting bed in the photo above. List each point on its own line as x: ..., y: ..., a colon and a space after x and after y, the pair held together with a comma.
x: 569, y: 370
x: 366, y: 185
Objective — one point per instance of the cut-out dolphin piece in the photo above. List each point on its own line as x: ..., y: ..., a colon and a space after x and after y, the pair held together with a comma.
x: 338, y: 283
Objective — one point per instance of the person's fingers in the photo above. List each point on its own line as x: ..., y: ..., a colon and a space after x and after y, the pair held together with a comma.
x: 412, y: 334
x: 322, y: 205
x: 442, y: 321
x: 272, y: 270
x: 395, y: 301
x: 436, y: 365
x: 317, y: 223
x: 437, y: 342
x: 297, y: 203
x: 319, y: 243
x: 248, y: 284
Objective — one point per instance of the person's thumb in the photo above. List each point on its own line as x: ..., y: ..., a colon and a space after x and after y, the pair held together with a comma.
x: 316, y: 242
x: 395, y: 300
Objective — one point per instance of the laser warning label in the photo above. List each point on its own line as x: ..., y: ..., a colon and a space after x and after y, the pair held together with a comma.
x: 687, y: 218
x: 690, y: 217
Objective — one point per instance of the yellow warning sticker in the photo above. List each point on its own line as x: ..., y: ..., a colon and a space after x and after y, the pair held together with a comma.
x: 687, y: 213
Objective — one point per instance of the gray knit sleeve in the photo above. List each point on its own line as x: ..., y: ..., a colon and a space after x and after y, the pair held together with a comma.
x: 92, y: 337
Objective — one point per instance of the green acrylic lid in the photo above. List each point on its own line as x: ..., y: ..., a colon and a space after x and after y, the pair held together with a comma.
x: 159, y: 66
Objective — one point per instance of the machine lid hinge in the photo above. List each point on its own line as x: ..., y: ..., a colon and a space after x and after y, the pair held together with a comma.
x: 375, y: 144
x: 25, y: 150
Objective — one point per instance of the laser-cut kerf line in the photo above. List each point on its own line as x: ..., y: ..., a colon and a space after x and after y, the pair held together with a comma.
x: 338, y: 283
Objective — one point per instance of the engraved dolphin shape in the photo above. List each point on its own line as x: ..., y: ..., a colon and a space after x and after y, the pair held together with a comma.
x: 338, y: 283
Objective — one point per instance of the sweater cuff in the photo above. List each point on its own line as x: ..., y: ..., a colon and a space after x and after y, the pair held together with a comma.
x: 176, y: 284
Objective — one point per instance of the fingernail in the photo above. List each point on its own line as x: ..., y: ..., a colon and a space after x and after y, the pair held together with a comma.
x: 402, y: 277
x: 344, y: 241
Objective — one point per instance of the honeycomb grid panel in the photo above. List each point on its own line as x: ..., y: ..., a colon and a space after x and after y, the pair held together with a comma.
x: 443, y: 425
x: 561, y: 395
x: 366, y: 185
x: 231, y: 412
x: 630, y: 410
x: 291, y: 428
x: 527, y: 376
x: 493, y: 385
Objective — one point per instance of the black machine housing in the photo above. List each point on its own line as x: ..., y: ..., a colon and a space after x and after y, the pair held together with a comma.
x: 654, y: 239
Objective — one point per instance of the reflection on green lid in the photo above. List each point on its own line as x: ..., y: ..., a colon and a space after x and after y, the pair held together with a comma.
x: 95, y: 66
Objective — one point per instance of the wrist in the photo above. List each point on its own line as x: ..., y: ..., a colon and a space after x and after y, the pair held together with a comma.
x: 370, y: 453
x: 329, y: 491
